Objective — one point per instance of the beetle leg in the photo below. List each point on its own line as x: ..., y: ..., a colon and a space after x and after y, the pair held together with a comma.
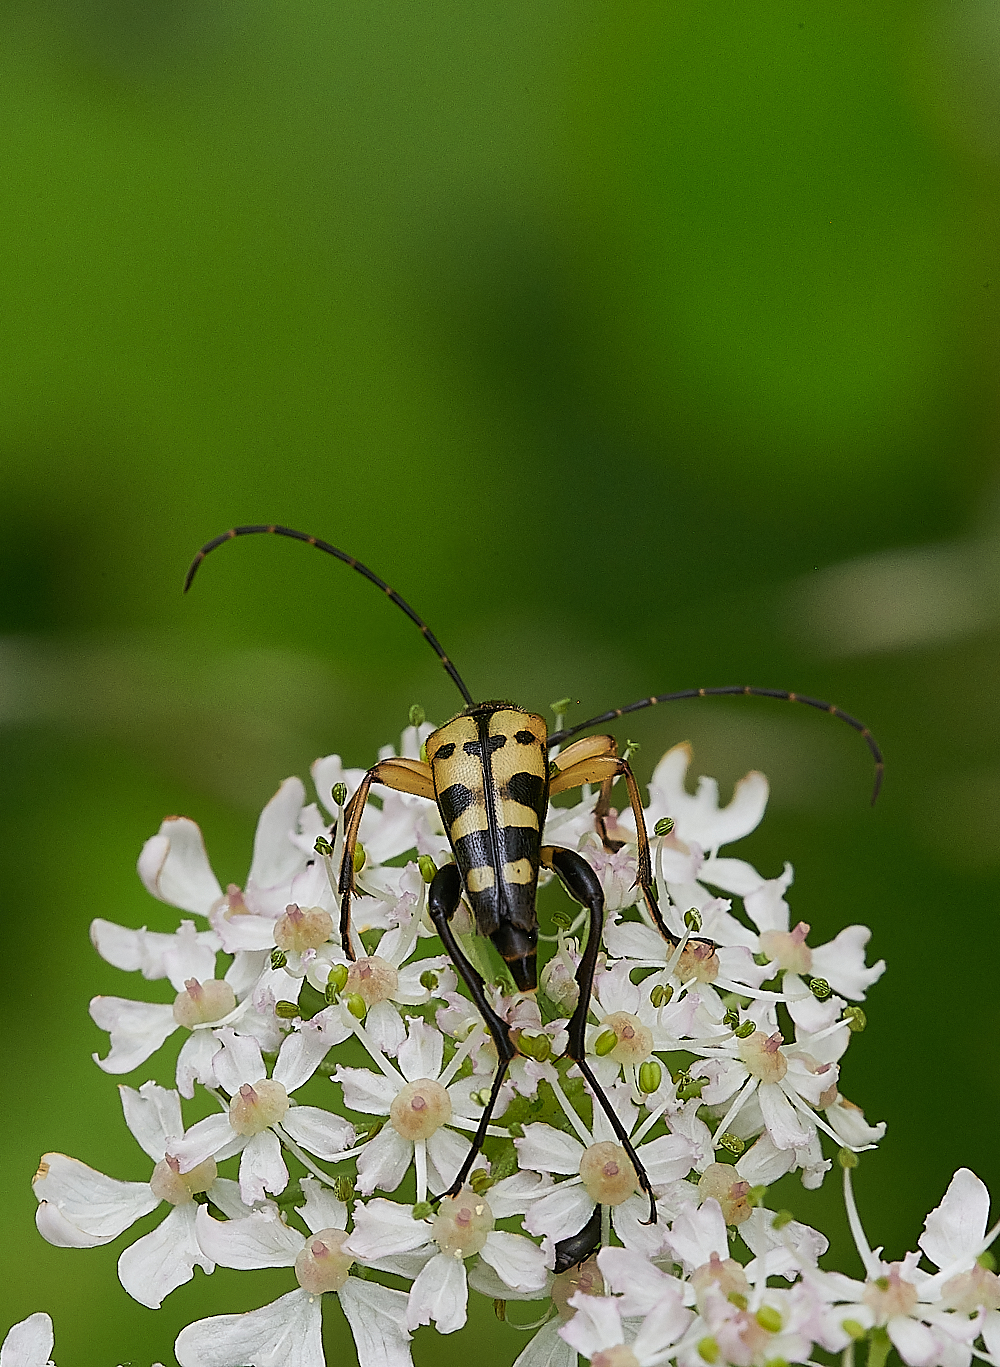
x: 582, y: 884
x: 442, y: 902
x: 580, y: 752
x: 405, y: 776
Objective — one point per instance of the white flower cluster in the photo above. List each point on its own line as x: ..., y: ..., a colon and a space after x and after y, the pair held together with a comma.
x: 720, y: 1056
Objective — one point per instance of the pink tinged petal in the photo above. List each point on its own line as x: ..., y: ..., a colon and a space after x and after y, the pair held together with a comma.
x: 563, y: 1212
x: 664, y: 1325
x: 194, y: 1062
x: 548, y: 1349
x: 513, y: 1195
x: 446, y: 1152
x: 736, y: 964
x: 377, y: 1316
x: 384, y: 1161
x: 286, y: 1332
x: 421, y: 1053
x: 322, y: 1210
x: 385, y: 1027
x: 953, y: 1232
x: 206, y: 1139
x: 242, y: 932
x: 262, y: 1239
x: 517, y: 1260
x: 440, y: 1293
x: 913, y: 1341
x: 842, y: 963
x: 82, y: 1208
x: 383, y: 1228
x: 174, y: 867
x: 596, y: 1324
x: 780, y: 1118
x: 262, y: 1168
x: 698, y: 1232
x: 766, y: 905
x: 372, y: 1093
x: 548, y: 1150
x: 137, y: 1030
x: 319, y: 1132
x: 164, y: 1259
x: 153, y: 1114
x: 303, y: 1051
x: 28, y: 1343
x: 238, y: 1061
x: 189, y: 953
x: 276, y: 859
x: 631, y: 1274
x: 668, y: 1158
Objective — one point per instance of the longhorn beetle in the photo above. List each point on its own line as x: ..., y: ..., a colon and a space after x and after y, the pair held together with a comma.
x: 489, y: 771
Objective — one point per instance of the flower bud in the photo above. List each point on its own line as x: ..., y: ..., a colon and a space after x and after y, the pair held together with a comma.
x: 287, y: 1011
x: 429, y: 980
x: 537, y: 1047
x: 322, y: 846
x: 664, y: 826
x: 343, y: 1189
x: 731, y: 1018
x: 427, y: 867
x: 278, y: 958
x: 847, y: 1159
x: 692, y: 919
x: 417, y: 715
x: 820, y: 989
x: 856, y: 1019
x: 769, y: 1318
x: 480, y: 1181
x: 781, y: 1219
x: 650, y: 1076
x: 359, y: 857
x: 337, y: 978
x: 357, y: 1006
x: 562, y: 920
x: 423, y: 1210
x: 745, y: 1030
x: 604, y: 1043
x: 340, y: 793
x: 661, y: 994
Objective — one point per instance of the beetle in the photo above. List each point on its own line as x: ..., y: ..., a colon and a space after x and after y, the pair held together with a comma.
x: 491, y: 771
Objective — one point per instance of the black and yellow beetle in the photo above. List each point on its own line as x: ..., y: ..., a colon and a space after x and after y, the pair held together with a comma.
x: 491, y: 772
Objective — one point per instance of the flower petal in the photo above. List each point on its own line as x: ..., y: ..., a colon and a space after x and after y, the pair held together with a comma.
x: 548, y: 1150
x: 262, y: 1168
x: 137, y: 1030
x: 516, y: 1259
x: 164, y: 1259
x: 288, y: 1331
x: 372, y: 1093
x: 153, y: 1114
x: 564, y: 1211
x: 174, y: 867
x: 92, y: 1209
x: 421, y: 1053
x: 206, y: 1139
x: 842, y: 963
x: 440, y: 1293
x: 322, y: 1209
x: 238, y: 1061
x: 377, y: 1316
x: 953, y: 1232
x: 548, y: 1349
x: 28, y: 1343
x: 384, y: 1161
x: 320, y: 1132
x: 382, y: 1228
x: 276, y: 858
x: 262, y: 1239
x: 596, y: 1324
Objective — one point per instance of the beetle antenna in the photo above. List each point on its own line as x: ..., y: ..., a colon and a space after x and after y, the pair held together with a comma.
x: 425, y: 630
x: 736, y: 690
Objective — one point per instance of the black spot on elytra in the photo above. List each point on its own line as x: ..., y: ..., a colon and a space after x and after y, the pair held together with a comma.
x: 445, y: 751
x: 475, y: 747
x: 454, y: 801
x: 524, y: 737
x: 526, y: 789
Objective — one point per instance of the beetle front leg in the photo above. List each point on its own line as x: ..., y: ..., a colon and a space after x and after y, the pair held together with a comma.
x: 443, y: 898
x: 583, y: 885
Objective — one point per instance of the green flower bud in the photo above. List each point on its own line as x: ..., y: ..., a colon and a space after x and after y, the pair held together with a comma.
x: 560, y: 707
x: 337, y: 977
x: 278, y: 958
x: 359, y: 857
x: 847, y: 1159
x: 538, y: 1047
x: 854, y: 1329
x: 429, y: 979
x: 650, y: 1076
x: 820, y: 989
x: 562, y: 919
x: 417, y: 715
x: 323, y: 846
x: 423, y: 1210
x: 340, y: 793
x: 781, y: 1219
x: 731, y: 1018
x: 856, y: 1019
x: 427, y: 867
x: 481, y: 1097
x: 554, y: 769
x: 632, y: 747
x: 343, y: 1188
x: 769, y: 1318
x: 357, y: 1006
x: 423, y: 752
x: 987, y: 1261
x: 605, y: 1042
x: 661, y: 994
x: 708, y: 1350
x: 692, y: 919
x: 664, y: 826
x: 755, y: 1196
x: 732, y: 1143
x: 480, y: 1181
x: 738, y: 1299
x: 286, y: 1011
x: 745, y: 1030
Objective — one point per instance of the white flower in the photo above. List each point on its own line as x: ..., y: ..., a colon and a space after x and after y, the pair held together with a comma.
x: 288, y: 1332
x: 596, y: 1331
x: 82, y: 1208
x: 599, y: 1172
x: 260, y: 1114
x: 462, y: 1228
x: 422, y: 1103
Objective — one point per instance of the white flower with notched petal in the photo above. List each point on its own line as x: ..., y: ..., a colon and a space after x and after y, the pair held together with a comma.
x: 261, y: 1114
x: 599, y: 1172
x: 462, y: 1228
x: 290, y: 1329
x: 28, y: 1343
x: 82, y: 1208
x: 596, y: 1331
x: 424, y: 1105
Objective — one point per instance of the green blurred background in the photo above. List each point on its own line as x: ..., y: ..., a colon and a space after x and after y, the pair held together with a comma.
x: 640, y: 346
